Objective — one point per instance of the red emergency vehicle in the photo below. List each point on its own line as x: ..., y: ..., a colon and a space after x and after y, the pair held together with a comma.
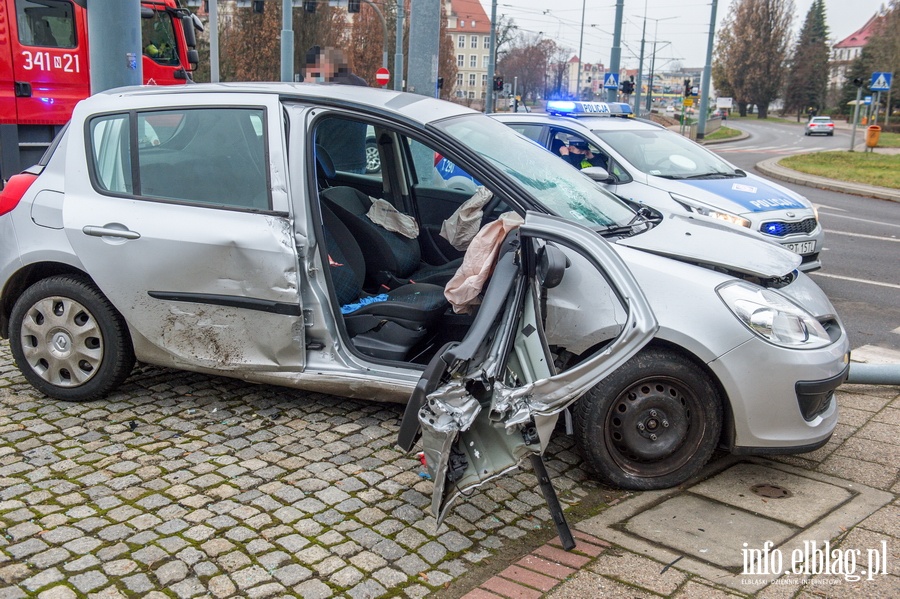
x: 44, y: 64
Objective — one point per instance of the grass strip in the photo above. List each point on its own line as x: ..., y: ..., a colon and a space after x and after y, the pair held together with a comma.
x: 882, y: 170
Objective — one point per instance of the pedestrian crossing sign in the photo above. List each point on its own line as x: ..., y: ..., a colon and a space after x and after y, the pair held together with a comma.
x: 881, y: 82
x: 611, y: 81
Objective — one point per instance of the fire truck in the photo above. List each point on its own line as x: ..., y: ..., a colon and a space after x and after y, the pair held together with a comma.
x: 44, y: 67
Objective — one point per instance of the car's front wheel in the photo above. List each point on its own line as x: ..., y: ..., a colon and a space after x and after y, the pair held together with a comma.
x: 68, y: 340
x: 651, y: 424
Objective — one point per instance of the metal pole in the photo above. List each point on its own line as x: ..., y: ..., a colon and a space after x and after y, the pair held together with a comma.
x: 489, y: 97
x: 384, y: 44
x: 114, y: 28
x: 877, y: 107
x: 637, y: 90
x: 615, y: 54
x: 855, y: 118
x: 874, y: 374
x: 214, y: 41
x: 424, y: 46
x: 287, y: 41
x: 398, y: 49
x: 652, y: 66
x: 580, y: 49
x: 707, y: 73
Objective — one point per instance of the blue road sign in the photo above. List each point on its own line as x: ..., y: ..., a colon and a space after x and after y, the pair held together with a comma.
x: 867, y: 100
x: 611, y: 81
x: 881, y: 82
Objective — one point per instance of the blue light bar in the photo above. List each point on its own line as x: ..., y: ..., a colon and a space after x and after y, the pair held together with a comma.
x: 564, y: 107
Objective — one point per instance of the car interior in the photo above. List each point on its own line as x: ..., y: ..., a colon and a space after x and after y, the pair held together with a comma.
x: 389, y: 284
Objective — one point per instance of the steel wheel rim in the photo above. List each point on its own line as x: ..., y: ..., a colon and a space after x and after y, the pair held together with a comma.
x: 62, y: 341
x: 373, y: 160
x: 641, y: 411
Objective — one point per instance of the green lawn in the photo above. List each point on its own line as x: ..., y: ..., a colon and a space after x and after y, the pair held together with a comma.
x: 722, y: 132
x: 887, y: 140
x: 882, y: 170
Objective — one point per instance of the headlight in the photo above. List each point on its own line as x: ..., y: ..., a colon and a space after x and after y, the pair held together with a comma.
x: 695, y: 206
x: 772, y: 316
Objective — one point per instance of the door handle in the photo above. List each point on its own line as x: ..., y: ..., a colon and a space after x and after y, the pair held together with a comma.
x: 96, y: 231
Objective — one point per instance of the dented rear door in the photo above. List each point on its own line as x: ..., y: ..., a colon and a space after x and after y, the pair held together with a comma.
x: 492, y: 400
x: 181, y: 217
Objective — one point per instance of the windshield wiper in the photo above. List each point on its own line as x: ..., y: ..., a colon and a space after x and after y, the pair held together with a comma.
x: 712, y: 175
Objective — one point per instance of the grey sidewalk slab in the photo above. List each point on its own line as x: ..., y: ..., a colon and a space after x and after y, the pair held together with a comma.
x: 644, y: 523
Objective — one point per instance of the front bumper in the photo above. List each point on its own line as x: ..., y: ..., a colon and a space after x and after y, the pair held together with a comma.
x: 768, y: 412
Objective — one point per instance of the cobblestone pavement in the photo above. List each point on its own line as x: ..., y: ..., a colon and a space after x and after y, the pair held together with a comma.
x: 185, y: 485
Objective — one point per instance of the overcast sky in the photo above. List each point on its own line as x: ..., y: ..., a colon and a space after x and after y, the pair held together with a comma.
x: 684, y: 24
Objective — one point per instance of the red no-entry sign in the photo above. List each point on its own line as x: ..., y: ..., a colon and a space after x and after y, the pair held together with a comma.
x: 382, y: 76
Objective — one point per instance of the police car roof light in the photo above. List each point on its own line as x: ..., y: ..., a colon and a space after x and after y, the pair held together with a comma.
x: 560, y: 107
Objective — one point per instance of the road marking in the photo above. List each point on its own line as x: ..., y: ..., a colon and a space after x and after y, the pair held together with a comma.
x: 879, y: 284
x: 829, y: 207
x: 897, y: 330
x: 872, y: 354
x: 865, y: 220
x: 894, y: 239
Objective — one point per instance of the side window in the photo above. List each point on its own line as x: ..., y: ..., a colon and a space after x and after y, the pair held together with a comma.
x: 158, y: 38
x: 346, y: 143
x: 532, y: 132
x: 204, y: 156
x: 111, y: 150
x: 432, y: 170
x: 209, y: 156
x: 577, y: 151
x: 47, y: 23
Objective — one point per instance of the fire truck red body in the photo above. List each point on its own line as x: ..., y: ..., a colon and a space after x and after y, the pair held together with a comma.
x: 44, y: 66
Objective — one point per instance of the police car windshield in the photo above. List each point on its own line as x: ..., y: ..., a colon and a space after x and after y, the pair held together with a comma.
x: 666, y: 154
x: 552, y: 181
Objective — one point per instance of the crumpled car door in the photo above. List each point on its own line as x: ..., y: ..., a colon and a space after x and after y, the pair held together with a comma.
x: 485, y: 404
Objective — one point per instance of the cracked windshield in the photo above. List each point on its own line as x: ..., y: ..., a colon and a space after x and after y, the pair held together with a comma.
x: 553, y: 182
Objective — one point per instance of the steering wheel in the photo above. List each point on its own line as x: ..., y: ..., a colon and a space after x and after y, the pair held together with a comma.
x: 489, y: 209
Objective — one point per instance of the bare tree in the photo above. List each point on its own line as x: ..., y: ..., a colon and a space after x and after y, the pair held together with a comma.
x: 558, y: 65
x: 447, y: 68
x: 753, y: 50
x: 527, y: 60
x: 365, y: 50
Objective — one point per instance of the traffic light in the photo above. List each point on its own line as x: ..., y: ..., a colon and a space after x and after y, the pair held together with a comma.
x: 309, y: 6
x: 858, y: 82
x: 687, y: 88
x: 352, y: 5
x: 628, y: 87
x: 258, y: 6
x: 498, y: 83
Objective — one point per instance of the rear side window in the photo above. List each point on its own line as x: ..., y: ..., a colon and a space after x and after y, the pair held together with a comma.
x: 209, y: 156
x: 532, y: 132
x: 46, y: 23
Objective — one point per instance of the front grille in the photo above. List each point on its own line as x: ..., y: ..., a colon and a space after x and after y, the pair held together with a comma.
x: 778, y: 228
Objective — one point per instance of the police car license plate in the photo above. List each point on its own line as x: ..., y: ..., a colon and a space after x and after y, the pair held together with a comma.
x: 802, y: 248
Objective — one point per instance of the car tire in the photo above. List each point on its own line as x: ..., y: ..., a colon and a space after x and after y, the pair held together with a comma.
x: 373, y: 159
x: 68, y: 340
x: 658, y: 392
x: 831, y: 134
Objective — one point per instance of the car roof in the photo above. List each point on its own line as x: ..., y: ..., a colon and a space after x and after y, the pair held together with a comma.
x: 587, y: 122
x: 413, y: 106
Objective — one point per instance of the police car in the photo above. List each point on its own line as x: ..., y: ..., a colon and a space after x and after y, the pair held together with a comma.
x: 649, y: 164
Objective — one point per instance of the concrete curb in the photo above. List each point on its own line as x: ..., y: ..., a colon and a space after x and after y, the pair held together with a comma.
x: 771, y: 168
x: 744, y: 135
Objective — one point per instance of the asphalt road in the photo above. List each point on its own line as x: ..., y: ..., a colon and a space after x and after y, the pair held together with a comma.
x: 861, y: 269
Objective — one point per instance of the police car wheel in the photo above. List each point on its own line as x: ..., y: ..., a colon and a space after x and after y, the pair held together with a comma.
x: 651, y: 424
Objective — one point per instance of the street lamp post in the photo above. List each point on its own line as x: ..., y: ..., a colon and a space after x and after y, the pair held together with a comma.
x: 580, y: 57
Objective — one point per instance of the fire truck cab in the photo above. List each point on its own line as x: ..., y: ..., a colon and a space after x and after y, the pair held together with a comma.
x: 44, y: 66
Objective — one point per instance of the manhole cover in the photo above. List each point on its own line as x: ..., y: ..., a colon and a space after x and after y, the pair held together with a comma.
x: 770, y: 491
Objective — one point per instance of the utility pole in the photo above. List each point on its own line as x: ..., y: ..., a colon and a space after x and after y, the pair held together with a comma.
x: 214, y: 41
x: 615, y: 55
x: 707, y: 74
x: 855, y: 114
x: 398, y: 51
x: 114, y: 28
x: 424, y: 44
x: 580, y: 57
x: 637, y: 91
x: 489, y: 97
x: 287, y: 41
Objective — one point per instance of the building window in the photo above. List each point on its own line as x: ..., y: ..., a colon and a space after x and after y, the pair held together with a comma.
x: 473, y: 22
x: 459, y: 79
x: 471, y: 95
x: 487, y: 42
x: 460, y: 60
x: 473, y: 61
x: 461, y: 41
x: 483, y: 79
x: 473, y: 41
x: 471, y: 79
x: 485, y: 61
